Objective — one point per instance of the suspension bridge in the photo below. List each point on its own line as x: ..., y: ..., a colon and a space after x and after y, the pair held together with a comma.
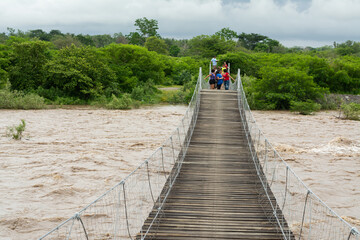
x: 215, y: 177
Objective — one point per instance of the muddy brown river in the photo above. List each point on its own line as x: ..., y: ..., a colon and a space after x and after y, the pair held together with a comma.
x: 69, y: 157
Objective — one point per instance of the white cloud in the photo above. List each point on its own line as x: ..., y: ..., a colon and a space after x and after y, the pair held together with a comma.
x: 316, y: 21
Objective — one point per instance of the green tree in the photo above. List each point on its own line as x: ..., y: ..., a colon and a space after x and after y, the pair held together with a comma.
x: 102, y: 40
x: 4, y: 65
x: 27, y: 64
x: 347, y: 48
x: 262, y: 47
x: 54, y: 33
x: 86, y: 40
x: 209, y: 46
x: 133, y: 64
x: 227, y: 34
x: 267, y: 45
x: 250, y: 41
x: 11, y: 31
x: 135, y: 38
x: 347, y: 75
x: 79, y: 72
x: 240, y: 60
x: 61, y: 41
x: 158, y: 45
x: 147, y: 27
x: 174, y: 51
x: 40, y: 34
x: 279, y: 86
x: 120, y: 38
x: 257, y: 42
x: 319, y: 69
x: 3, y: 38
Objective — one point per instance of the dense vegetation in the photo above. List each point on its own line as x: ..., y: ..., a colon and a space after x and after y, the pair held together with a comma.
x: 123, y: 71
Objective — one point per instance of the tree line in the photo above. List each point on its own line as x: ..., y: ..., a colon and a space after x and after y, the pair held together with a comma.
x: 68, y: 68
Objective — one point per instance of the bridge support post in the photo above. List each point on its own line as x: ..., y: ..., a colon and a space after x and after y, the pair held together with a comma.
x: 126, y: 212
x: 304, y: 213
x: 148, y: 173
x: 162, y: 161
x: 286, y: 186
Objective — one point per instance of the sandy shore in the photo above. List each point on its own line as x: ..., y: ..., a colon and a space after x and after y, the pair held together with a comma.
x: 69, y: 157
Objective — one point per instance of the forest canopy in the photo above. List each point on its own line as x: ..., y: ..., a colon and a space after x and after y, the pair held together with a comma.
x: 64, y: 68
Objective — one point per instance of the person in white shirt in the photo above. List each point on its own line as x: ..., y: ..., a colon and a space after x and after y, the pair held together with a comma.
x: 214, y: 62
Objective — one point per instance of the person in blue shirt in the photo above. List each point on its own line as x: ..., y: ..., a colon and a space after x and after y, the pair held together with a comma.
x: 220, y: 79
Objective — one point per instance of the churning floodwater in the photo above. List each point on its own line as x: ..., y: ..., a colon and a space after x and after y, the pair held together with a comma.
x: 69, y: 157
x: 324, y: 152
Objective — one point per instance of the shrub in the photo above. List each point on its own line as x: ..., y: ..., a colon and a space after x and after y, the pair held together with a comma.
x: 19, y: 100
x: 347, y: 76
x: 6, y: 99
x: 279, y: 86
x: 123, y: 102
x: 137, y: 61
x: 145, y: 92
x: 173, y: 97
x: 30, y: 101
x: 28, y: 60
x: 330, y: 102
x: 69, y: 101
x: 16, y: 132
x: 182, y: 77
x: 208, y: 46
x: 351, y: 111
x: 100, y: 101
x: 79, y: 72
x: 248, y: 83
x: 241, y: 60
x: 305, y: 108
x: 51, y: 93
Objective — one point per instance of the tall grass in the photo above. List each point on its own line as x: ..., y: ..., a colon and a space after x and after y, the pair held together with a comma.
x: 304, y: 108
x: 16, y: 132
x: 20, y: 100
x: 351, y: 111
x: 123, y: 102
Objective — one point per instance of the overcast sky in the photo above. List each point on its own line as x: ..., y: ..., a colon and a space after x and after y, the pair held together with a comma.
x: 292, y: 22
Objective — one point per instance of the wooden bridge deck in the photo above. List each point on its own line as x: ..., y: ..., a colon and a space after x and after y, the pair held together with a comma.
x: 215, y: 195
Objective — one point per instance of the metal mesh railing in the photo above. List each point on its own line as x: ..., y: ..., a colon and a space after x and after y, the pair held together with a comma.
x: 120, y: 212
x: 295, y: 209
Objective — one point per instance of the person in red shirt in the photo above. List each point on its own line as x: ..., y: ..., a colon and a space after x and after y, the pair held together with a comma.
x: 227, y: 77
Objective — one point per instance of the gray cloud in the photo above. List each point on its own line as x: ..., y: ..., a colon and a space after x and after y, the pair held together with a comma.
x: 292, y: 22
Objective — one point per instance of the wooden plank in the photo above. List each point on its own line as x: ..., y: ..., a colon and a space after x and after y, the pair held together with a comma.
x: 215, y: 195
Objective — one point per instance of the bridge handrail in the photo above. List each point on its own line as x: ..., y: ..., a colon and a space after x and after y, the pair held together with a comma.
x: 295, y: 205
x: 121, y: 211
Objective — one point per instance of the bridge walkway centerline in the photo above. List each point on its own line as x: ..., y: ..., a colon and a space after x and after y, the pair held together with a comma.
x: 215, y: 196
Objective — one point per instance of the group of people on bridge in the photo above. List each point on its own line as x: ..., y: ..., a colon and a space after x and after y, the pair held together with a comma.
x: 219, y: 76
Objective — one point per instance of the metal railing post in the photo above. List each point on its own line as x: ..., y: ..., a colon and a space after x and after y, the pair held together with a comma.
x: 148, y: 173
x: 126, y: 211
x: 286, y: 186
x: 304, y: 213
